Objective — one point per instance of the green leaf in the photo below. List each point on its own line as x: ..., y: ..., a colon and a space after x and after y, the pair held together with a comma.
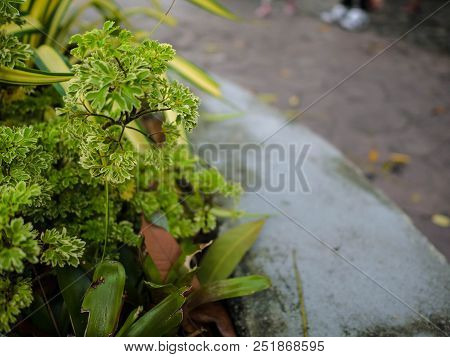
x: 38, y: 10
x: 61, y: 249
x: 31, y: 25
x: 49, y: 59
x: 196, y: 76
x: 227, y: 289
x: 73, y: 284
x: 227, y: 251
x: 55, y: 21
x: 160, y: 320
x: 129, y: 321
x: 25, y: 76
x: 215, y: 8
x: 107, y: 8
x: 103, y: 299
x: 149, y: 12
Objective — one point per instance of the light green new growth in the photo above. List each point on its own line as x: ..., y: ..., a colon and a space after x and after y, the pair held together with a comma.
x: 14, y: 296
x: 117, y: 82
x: 61, y: 249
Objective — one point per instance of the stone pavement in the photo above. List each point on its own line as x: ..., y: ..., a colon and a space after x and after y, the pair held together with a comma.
x: 397, y: 104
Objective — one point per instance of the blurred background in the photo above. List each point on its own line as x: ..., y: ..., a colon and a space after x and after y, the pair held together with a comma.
x: 392, y: 118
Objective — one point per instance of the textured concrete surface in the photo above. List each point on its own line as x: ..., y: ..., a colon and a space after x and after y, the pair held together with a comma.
x: 398, y: 103
x: 365, y: 269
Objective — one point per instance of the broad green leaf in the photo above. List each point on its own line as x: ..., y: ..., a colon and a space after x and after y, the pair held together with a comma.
x: 129, y: 321
x: 25, y: 6
x: 227, y: 251
x: 227, y: 289
x: 26, y: 76
x: 73, y: 284
x: 31, y: 25
x: 161, y: 319
x: 215, y: 8
x: 149, y: 12
x: 195, y: 75
x: 170, y: 327
x: 107, y: 8
x: 48, y: 59
x: 55, y: 21
x: 103, y: 300
x: 38, y: 11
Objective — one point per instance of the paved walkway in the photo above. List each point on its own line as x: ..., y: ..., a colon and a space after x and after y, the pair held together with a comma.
x: 397, y: 104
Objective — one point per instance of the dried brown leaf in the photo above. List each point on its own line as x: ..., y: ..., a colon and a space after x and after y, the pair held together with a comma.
x: 211, y: 313
x: 161, y: 246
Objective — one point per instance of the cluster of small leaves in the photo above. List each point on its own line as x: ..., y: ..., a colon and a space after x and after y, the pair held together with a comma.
x: 117, y: 82
x: 12, y: 51
x: 183, y: 194
x: 18, y: 243
x: 15, y: 295
x: 61, y: 249
x: 9, y: 11
x: 52, y: 174
x: 26, y: 105
x: 21, y: 157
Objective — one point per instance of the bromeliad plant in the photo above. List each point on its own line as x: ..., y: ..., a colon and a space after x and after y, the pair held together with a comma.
x: 82, y: 193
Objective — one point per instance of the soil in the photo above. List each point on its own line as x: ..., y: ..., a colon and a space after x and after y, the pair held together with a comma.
x: 398, y: 103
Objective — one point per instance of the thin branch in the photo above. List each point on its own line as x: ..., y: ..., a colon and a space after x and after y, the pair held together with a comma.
x: 100, y: 116
x: 121, y: 135
x: 95, y: 114
x: 145, y: 134
x: 120, y: 65
x: 149, y: 111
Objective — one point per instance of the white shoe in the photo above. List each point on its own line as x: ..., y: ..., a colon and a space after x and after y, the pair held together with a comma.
x: 335, y: 14
x: 355, y: 19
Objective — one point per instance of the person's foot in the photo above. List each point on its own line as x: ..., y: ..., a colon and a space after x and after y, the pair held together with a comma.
x: 355, y: 19
x: 290, y: 8
x: 335, y: 14
x: 263, y: 10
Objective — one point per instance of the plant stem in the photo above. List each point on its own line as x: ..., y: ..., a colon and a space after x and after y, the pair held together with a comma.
x: 106, y: 219
x: 301, y: 299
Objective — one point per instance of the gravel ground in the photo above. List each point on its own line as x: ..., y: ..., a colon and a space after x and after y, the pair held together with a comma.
x: 399, y: 103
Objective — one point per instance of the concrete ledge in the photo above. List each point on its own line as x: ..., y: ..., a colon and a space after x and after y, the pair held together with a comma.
x: 365, y: 269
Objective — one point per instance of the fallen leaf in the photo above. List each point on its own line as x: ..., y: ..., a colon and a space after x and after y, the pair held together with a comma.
x: 373, y: 155
x: 398, y: 158
x: 285, y: 73
x: 416, y: 197
x: 211, y: 313
x: 164, y: 251
x: 324, y: 28
x: 396, y: 163
x: 441, y: 220
x: 160, y: 246
x: 439, y: 110
x: 195, y: 321
x: 269, y: 98
x: 211, y: 48
x: 294, y: 101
